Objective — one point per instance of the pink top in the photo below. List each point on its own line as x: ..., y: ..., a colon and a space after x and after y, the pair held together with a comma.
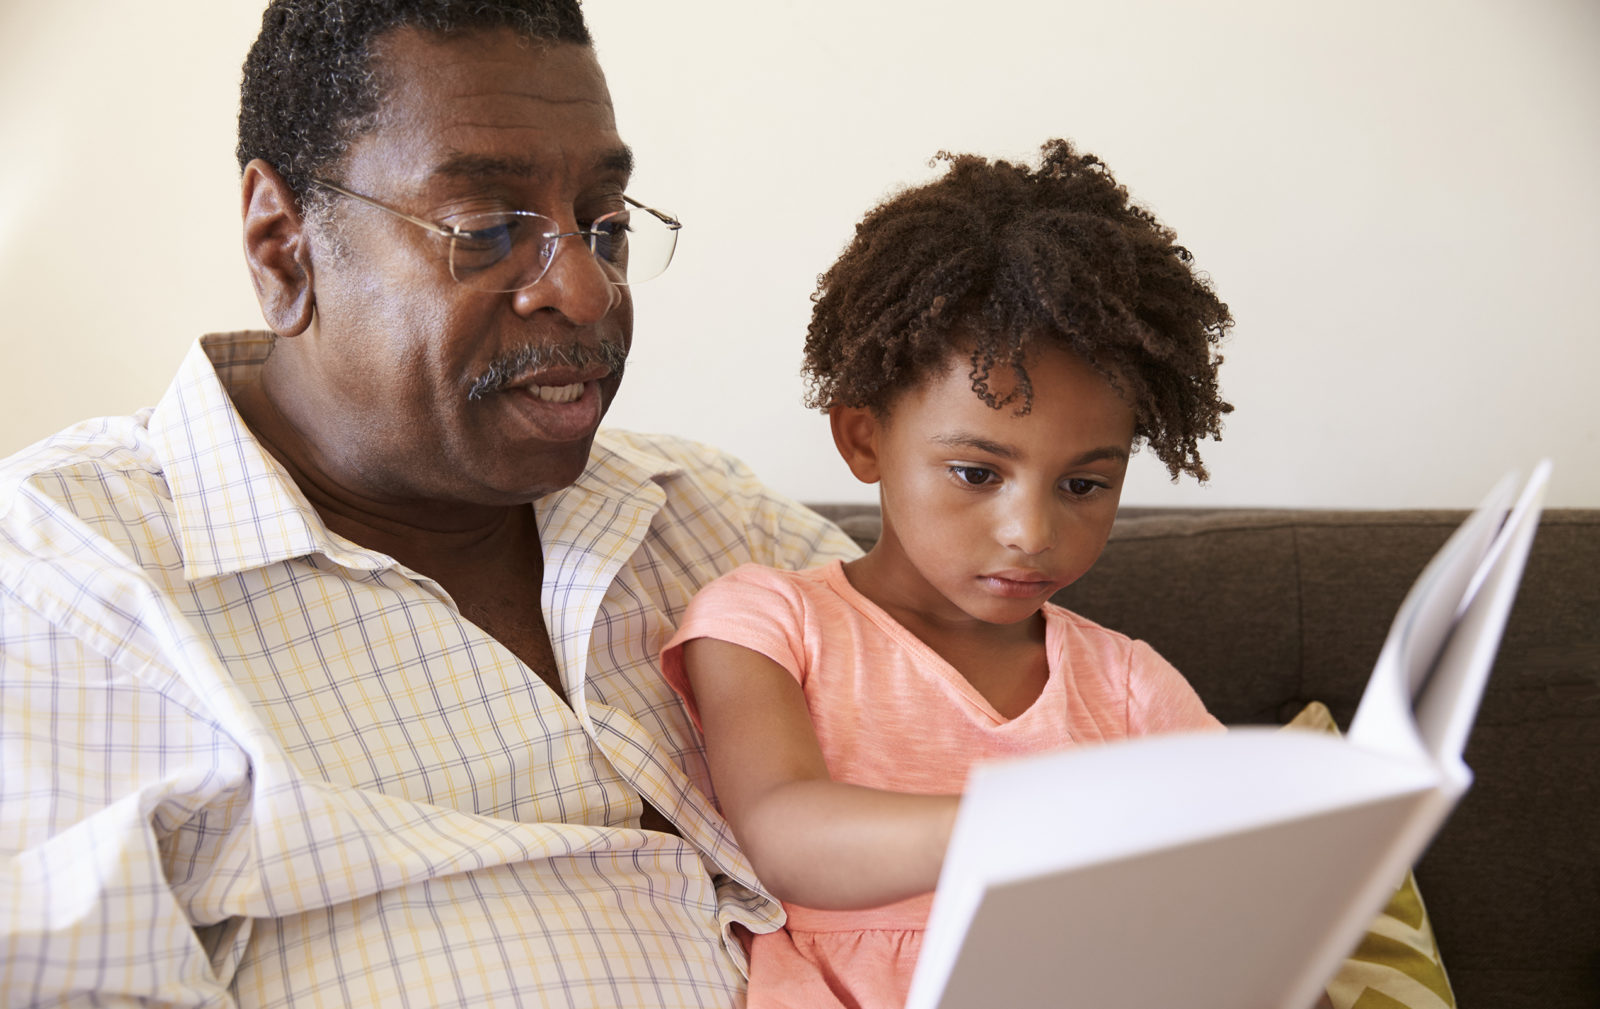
x: 890, y: 713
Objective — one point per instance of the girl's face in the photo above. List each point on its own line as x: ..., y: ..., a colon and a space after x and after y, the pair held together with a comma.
x: 986, y: 513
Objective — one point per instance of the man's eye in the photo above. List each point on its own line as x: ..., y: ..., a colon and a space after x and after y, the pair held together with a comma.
x: 482, y: 241
x: 975, y: 476
x: 488, y: 235
x: 479, y: 235
x: 609, y: 237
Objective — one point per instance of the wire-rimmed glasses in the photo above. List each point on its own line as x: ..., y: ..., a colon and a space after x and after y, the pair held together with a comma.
x: 508, y: 250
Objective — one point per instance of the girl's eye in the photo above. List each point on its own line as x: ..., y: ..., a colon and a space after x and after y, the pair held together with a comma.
x: 974, y: 476
x: 1079, y: 487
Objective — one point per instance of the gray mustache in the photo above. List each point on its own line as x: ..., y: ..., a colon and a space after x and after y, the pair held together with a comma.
x: 504, y: 370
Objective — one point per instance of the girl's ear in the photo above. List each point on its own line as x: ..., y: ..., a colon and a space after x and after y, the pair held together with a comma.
x: 855, y: 435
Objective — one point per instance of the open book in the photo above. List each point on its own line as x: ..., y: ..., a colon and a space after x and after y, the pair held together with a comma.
x: 1226, y: 870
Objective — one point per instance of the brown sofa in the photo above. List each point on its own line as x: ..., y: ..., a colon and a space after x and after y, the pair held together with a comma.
x: 1265, y: 610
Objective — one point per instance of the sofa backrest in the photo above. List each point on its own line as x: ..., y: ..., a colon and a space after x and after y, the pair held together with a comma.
x: 1265, y: 610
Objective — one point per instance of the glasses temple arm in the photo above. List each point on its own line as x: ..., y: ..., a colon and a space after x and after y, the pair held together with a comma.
x: 438, y: 229
x: 660, y: 215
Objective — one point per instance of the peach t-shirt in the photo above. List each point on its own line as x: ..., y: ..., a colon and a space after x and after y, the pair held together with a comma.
x: 890, y: 713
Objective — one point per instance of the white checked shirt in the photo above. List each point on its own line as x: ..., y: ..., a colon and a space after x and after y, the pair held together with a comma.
x: 246, y: 761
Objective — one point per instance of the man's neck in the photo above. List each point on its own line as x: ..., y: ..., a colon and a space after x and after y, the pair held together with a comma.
x: 488, y: 558
x: 425, y: 535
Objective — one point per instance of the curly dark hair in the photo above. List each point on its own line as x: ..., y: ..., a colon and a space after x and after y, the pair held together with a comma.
x: 309, y: 88
x: 1011, y: 257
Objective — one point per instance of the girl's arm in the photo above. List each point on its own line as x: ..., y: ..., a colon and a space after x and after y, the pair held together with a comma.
x: 812, y: 840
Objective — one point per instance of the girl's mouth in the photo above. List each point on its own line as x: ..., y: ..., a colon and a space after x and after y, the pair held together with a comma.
x: 1018, y: 584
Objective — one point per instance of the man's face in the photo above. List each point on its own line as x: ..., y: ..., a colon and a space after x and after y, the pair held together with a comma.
x: 476, y: 123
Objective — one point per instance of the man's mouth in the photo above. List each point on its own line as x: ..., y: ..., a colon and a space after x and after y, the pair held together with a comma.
x: 558, y: 393
x: 522, y: 367
x: 558, y: 412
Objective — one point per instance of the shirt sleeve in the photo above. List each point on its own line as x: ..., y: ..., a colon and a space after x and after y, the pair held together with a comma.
x: 752, y: 606
x: 117, y: 799
x: 1160, y: 699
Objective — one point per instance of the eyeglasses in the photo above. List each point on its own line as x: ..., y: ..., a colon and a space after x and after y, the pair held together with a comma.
x: 509, y: 250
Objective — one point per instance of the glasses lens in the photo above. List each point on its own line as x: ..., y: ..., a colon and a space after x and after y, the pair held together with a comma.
x: 501, y: 252
x: 635, y: 244
x: 511, y: 250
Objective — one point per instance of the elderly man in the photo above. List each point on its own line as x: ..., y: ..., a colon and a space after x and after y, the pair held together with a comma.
x: 331, y: 679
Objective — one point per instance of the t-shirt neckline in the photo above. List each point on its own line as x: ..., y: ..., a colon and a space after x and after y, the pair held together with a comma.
x: 934, y: 663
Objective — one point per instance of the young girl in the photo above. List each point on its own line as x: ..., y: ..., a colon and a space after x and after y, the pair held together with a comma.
x: 990, y: 349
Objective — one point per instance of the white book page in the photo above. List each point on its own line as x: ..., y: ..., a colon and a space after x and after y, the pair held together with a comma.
x: 1121, y: 811
x: 1225, y: 869
x: 1216, y: 924
x: 1384, y: 719
x: 1446, y: 708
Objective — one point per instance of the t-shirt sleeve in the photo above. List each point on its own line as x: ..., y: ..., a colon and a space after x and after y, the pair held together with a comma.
x: 1159, y: 698
x: 752, y: 606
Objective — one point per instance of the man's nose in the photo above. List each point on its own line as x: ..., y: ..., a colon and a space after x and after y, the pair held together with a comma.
x: 576, y: 284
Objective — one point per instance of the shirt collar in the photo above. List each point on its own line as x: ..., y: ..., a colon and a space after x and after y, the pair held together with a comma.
x: 619, y: 466
x: 237, y: 508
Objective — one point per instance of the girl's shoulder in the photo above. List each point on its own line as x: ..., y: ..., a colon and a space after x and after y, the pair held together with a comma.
x: 1067, y: 621
x: 760, y: 584
x: 1079, y: 641
x: 763, y: 575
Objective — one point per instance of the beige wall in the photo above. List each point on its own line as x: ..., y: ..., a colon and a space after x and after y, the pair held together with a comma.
x: 1398, y: 200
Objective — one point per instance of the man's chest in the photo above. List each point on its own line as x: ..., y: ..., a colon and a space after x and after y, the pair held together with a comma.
x: 513, y: 618
x: 379, y: 683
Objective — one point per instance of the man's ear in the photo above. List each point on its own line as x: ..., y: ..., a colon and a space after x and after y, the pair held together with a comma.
x: 277, y: 249
x: 855, y: 435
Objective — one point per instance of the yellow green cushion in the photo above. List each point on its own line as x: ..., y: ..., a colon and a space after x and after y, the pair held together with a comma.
x: 1397, y: 964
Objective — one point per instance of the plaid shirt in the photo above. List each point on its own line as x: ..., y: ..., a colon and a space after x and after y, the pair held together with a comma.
x: 244, y: 760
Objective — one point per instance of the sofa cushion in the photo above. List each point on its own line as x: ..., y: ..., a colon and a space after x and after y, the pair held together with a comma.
x: 1264, y: 610
x: 1397, y: 964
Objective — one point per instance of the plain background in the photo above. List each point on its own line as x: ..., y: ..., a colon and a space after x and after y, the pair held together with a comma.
x: 1399, y: 199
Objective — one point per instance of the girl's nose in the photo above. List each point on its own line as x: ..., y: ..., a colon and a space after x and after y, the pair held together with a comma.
x: 1030, y: 527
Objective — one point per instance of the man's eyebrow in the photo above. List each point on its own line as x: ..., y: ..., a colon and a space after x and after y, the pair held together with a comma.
x: 1001, y: 451
x: 618, y: 159
x: 462, y: 165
